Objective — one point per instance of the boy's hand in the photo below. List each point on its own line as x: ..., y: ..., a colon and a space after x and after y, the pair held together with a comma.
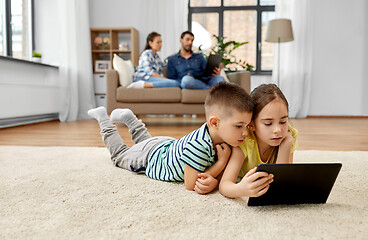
x: 205, y: 183
x: 255, y: 184
x: 223, y: 152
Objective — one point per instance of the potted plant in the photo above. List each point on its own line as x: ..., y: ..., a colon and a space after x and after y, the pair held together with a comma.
x: 36, y: 57
x: 225, y: 49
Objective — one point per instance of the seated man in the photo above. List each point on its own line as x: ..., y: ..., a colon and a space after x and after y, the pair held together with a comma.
x: 188, y: 67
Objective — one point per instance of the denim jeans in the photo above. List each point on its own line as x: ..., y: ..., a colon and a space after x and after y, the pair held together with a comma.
x: 162, y: 82
x: 189, y: 82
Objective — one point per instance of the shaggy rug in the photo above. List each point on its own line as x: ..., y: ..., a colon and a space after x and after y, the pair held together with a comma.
x: 76, y: 193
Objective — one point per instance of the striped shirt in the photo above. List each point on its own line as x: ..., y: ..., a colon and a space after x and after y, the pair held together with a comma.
x: 149, y: 64
x: 167, y: 160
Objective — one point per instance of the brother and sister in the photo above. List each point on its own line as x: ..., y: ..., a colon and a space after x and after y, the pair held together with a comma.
x: 240, y: 132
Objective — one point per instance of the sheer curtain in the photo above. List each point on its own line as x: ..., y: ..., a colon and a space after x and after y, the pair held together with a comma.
x: 167, y: 17
x: 76, y: 79
x: 296, y: 56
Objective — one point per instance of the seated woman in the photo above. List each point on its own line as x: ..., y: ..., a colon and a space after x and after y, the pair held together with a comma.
x: 149, y: 72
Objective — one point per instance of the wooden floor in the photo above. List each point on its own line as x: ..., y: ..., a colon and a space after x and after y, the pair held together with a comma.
x: 345, y: 134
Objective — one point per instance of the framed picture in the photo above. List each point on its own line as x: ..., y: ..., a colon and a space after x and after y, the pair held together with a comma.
x: 102, y: 65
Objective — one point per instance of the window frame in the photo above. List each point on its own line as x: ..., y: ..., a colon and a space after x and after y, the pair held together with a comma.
x: 220, y: 10
x: 8, y: 49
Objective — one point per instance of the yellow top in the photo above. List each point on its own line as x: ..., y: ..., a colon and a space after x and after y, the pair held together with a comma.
x: 251, y: 152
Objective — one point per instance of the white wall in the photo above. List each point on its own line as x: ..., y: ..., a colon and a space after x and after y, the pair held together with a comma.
x: 340, y: 59
x: 166, y: 17
x: 340, y: 54
x: 364, y: 89
x: 47, y: 31
x: 339, y: 49
x: 27, y: 89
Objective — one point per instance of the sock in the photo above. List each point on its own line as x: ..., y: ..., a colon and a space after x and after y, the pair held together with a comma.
x: 99, y: 113
x: 137, y: 84
x: 123, y: 115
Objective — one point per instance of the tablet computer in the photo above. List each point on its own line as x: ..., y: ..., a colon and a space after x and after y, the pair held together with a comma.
x: 213, y: 62
x: 297, y: 183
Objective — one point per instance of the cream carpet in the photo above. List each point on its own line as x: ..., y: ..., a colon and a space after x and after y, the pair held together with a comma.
x: 76, y: 193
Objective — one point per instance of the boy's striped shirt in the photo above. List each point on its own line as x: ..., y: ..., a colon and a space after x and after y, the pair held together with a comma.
x: 167, y: 160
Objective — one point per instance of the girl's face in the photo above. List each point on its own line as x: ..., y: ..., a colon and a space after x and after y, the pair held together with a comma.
x: 156, y: 44
x: 271, y: 124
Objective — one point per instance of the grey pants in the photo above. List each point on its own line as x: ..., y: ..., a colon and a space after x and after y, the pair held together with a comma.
x: 131, y: 158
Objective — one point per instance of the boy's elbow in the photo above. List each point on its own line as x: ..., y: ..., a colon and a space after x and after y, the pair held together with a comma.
x: 188, y: 186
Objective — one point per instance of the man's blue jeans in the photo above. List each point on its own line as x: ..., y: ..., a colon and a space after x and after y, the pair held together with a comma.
x: 162, y: 82
x: 189, y: 82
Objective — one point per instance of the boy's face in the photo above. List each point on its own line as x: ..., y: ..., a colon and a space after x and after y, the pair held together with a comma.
x: 233, y: 129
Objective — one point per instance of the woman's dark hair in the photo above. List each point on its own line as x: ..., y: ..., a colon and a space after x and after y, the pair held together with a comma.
x: 150, y: 38
x: 263, y: 95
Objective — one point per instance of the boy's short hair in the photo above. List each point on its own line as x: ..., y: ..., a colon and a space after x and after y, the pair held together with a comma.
x: 228, y: 96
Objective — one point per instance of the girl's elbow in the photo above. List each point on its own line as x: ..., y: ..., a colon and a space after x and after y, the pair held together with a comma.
x: 222, y: 189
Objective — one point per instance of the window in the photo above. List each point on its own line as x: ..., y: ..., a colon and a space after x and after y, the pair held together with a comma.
x: 236, y: 20
x: 16, y: 28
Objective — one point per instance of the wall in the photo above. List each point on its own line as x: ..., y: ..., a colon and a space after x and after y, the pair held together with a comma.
x: 47, y: 31
x: 167, y: 17
x: 340, y: 58
x: 364, y: 89
x: 339, y: 48
x: 29, y: 89
x: 339, y: 75
x: 340, y: 54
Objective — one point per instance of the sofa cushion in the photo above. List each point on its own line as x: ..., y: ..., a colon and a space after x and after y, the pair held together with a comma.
x: 193, y: 95
x: 125, y: 70
x: 148, y: 95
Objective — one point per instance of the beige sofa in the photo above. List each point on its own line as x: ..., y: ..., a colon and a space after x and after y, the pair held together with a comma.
x: 162, y: 100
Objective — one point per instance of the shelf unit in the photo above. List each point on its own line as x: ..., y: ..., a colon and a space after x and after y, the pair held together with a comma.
x: 116, y: 37
x: 122, y: 41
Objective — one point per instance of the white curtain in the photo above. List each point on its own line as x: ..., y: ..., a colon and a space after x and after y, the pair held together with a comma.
x: 296, y: 56
x: 76, y: 79
x: 167, y: 17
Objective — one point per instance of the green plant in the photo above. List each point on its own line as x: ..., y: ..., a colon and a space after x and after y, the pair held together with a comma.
x: 225, y: 49
x: 35, y: 54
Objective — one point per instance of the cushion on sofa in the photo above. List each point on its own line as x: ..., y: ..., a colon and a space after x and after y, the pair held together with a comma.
x: 193, y: 96
x: 148, y: 95
x: 125, y: 70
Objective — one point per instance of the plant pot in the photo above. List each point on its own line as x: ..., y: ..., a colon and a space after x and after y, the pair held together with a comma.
x: 36, y: 59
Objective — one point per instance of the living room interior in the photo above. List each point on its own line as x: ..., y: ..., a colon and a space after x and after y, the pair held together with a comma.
x: 57, y: 180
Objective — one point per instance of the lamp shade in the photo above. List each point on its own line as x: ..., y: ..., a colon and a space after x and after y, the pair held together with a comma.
x: 279, y: 30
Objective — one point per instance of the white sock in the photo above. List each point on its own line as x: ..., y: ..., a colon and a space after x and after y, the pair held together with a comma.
x: 137, y: 84
x: 99, y: 113
x: 124, y: 115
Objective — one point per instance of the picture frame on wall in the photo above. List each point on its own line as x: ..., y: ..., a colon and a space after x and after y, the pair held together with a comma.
x: 102, y: 65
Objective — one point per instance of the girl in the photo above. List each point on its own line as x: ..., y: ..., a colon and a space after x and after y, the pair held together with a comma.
x: 270, y: 140
x: 149, y: 73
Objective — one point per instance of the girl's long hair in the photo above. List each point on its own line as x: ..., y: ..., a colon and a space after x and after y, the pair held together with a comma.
x: 150, y: 38
x: 263, y: 95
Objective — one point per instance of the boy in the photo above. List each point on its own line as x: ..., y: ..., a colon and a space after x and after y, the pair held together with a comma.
x: 192, y: 158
